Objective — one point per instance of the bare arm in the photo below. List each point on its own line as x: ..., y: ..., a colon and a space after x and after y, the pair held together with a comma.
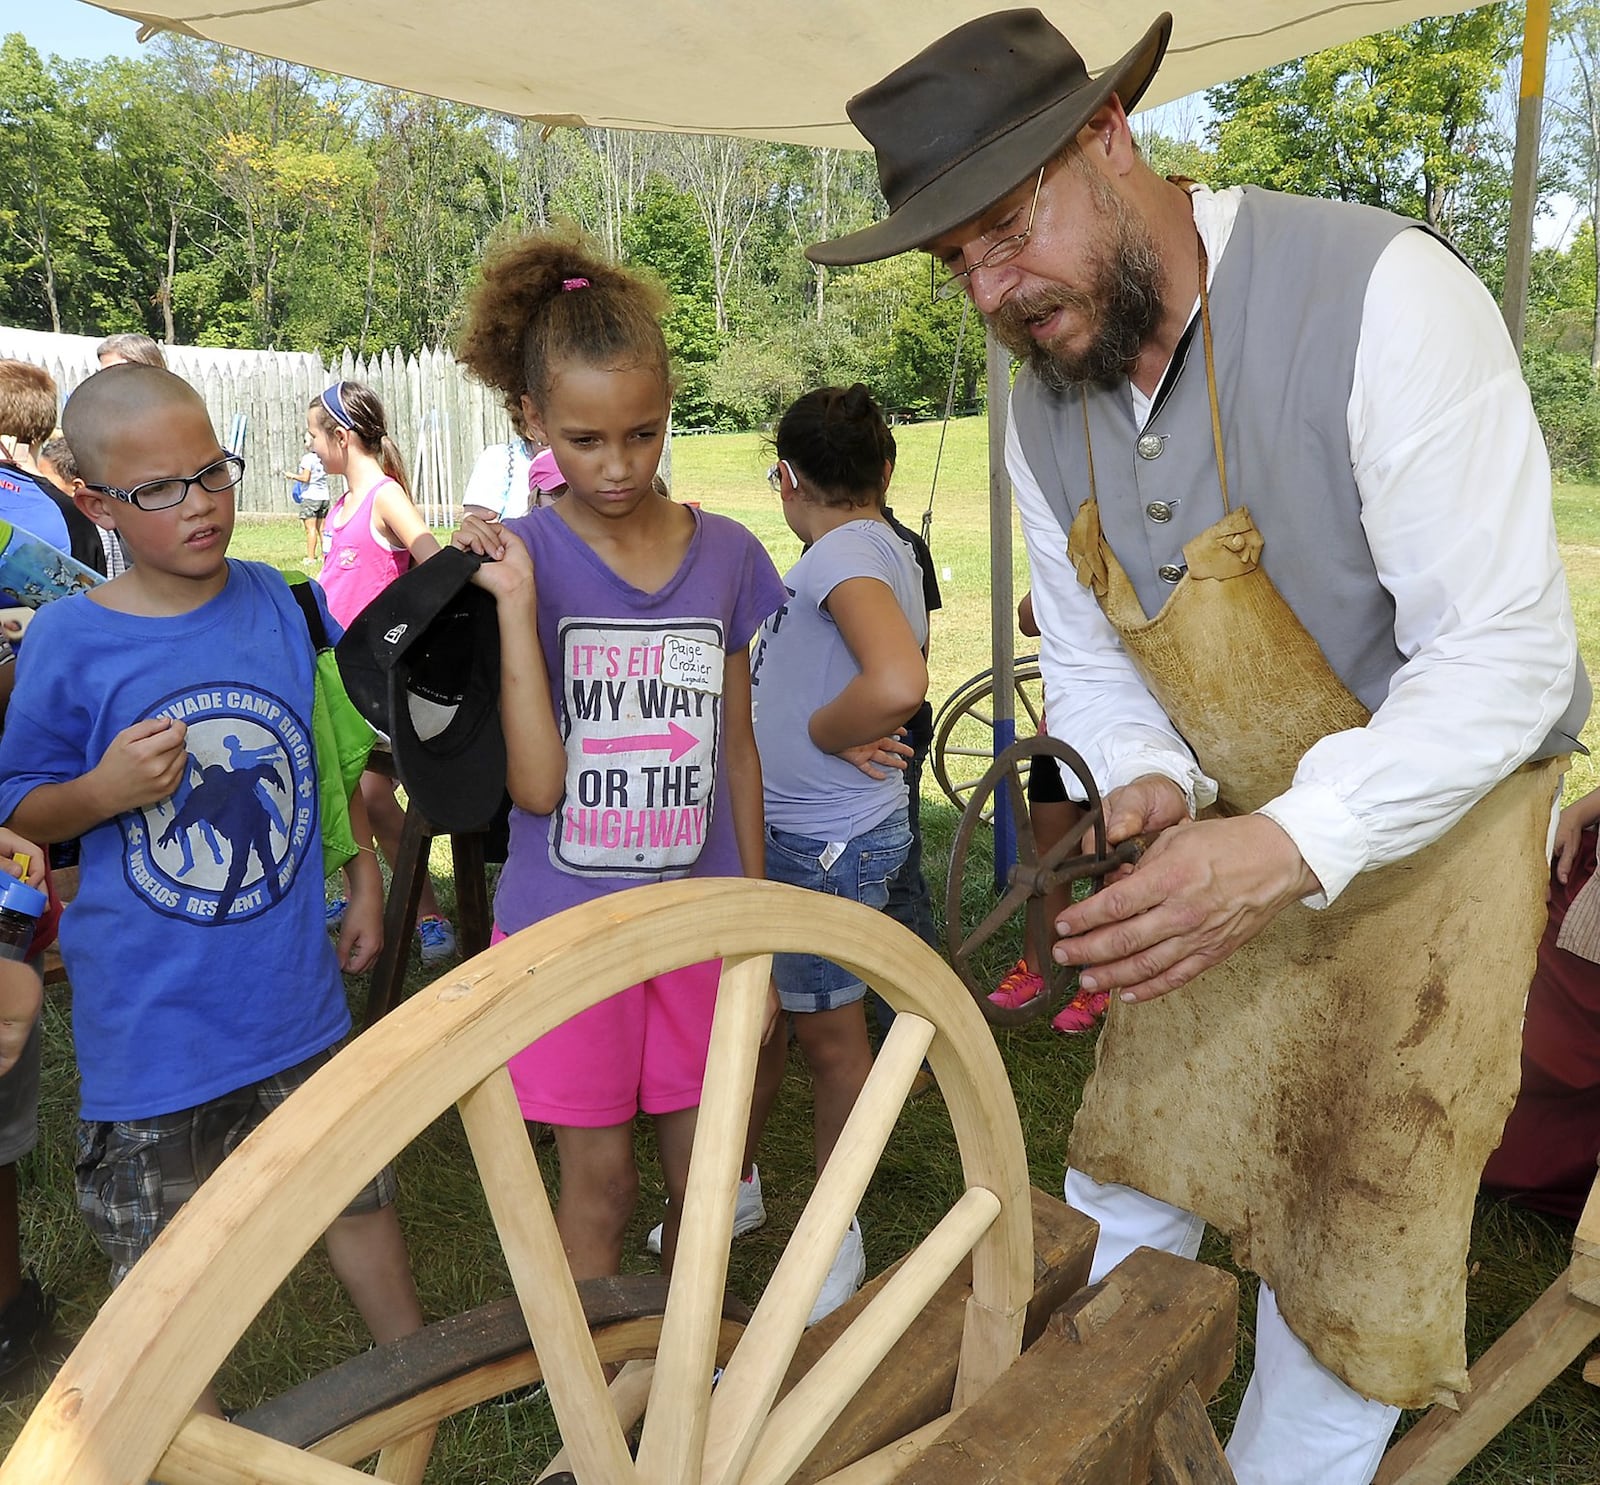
x: 744, y: 766
x: 894, y: 675
x: 361, y: 931
x: 401, y: 522
x: 143, y: 765
x: 1574, y: 820
x: 536, y: 758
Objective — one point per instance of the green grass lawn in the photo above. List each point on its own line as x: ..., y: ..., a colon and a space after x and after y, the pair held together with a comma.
x: 455, y: 1255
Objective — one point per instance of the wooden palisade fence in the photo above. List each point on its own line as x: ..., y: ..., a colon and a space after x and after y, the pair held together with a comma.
x: 439, y: 416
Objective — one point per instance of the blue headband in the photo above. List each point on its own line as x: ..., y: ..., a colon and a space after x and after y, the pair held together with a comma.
x: 333, y: 401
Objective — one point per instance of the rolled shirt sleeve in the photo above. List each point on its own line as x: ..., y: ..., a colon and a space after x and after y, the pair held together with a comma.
x: 1455, y: 494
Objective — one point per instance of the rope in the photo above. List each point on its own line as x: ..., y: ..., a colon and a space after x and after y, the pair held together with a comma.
x: 944, y: 428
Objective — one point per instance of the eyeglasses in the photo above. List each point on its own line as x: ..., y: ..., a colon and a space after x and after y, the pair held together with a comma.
x: 1000, y: 252
x: 775, y: 476
x: 165, y: 493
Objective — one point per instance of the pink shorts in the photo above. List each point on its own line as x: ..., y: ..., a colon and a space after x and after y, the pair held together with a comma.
x: 642, y: 1050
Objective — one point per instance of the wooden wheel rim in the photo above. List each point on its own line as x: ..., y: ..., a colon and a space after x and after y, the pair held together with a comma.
x: 973, y: 701
x: 124, y: 1393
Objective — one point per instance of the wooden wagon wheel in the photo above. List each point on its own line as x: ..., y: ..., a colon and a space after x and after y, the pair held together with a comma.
x: 963, y: 731
x: 118, y: 1412
x: 1032, y: 876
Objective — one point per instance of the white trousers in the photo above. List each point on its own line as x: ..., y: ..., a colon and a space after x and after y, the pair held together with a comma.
x: 1298, y: 1423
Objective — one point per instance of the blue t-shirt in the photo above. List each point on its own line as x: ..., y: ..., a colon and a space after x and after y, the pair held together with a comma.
x: 802, y: 663
x: 196, y: 945
x: 636, y: 680
x: 25, y: 503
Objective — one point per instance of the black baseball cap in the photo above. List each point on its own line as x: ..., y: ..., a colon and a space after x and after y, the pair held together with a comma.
x: 422, y: 663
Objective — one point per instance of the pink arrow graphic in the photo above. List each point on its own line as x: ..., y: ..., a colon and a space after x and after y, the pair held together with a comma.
x: 676, y: 741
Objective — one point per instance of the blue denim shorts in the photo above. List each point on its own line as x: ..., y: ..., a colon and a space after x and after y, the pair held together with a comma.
x: 861, y: 872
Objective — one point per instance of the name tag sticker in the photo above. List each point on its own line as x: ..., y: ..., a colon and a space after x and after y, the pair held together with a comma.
x: 692, y: 663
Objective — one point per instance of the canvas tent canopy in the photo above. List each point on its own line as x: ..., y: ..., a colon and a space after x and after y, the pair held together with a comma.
x: 764, y: 69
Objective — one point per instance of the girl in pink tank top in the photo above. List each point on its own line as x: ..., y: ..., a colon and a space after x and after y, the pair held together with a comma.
x: 375, y: 533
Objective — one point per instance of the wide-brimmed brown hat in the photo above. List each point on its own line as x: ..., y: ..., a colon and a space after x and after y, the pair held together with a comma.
x: 974, y: 114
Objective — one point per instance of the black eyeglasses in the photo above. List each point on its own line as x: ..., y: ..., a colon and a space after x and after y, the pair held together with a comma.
x: 1000, y: 252
x: 165, y: 493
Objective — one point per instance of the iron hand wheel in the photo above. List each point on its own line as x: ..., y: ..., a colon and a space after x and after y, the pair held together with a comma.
x: 1032, y: 876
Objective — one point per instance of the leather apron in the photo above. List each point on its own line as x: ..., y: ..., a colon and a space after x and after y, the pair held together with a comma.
x: 1328, y: 1095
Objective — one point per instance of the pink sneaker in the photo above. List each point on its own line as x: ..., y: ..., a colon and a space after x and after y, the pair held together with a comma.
x: 1019, y: 986
x: 1081, y: 1012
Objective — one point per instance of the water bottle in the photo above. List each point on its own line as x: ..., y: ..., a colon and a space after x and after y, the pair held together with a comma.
x: 21, y: 907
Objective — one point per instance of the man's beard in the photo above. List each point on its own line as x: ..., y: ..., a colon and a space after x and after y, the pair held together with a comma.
x: 1121, y: 309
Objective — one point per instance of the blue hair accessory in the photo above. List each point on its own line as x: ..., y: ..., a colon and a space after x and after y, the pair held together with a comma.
x: 333, y: 401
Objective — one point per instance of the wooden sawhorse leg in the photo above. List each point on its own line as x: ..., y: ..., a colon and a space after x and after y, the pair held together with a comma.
x: 1511, y: 1373
x: 400, y: 917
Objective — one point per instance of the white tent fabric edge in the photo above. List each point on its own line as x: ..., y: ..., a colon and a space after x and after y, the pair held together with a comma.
x: 762, y: 69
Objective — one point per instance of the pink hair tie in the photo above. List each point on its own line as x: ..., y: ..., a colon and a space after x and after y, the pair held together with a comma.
x: 569, y: 284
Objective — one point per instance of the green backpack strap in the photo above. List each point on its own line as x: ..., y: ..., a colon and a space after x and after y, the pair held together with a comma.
x: 342, y: 737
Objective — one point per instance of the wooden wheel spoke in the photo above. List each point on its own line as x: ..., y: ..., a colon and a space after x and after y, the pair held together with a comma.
x: 1025, y: 690
x: 405, y: 1461
x: 674, y: 1431
x: 630, y: 1394
x: 756, y: 1369
x: 542, y: 1278
x: 801, y: 1419
x: 207, y: 1451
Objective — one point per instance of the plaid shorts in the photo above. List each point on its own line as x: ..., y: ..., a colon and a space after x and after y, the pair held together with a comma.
x: 133, y: 1175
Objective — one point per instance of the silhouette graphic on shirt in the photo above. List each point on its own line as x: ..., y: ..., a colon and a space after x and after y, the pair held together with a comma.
x: 229, y: 801
x: 180, y: 796
x: 239, y: 757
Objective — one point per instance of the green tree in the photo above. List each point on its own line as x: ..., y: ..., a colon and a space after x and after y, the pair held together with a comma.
x: 1576, y: 116
x: 1401, y: 120
x: 57, y: 262
x: 666, y: 235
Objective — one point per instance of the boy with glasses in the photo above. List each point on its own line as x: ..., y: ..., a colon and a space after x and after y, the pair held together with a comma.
x: 170, y: 727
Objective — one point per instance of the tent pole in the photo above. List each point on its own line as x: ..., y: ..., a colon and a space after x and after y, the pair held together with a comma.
x: 1525, y: 169
x: 1001, y: 607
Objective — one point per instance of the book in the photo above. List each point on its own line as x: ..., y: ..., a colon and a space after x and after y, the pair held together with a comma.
x: 34, y: 573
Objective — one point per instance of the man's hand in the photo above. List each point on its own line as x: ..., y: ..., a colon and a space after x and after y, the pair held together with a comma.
x: 143, y: 765
x: 1203, y: 889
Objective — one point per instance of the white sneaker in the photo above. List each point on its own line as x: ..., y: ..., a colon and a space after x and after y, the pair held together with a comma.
x: 749, y: 1212
x: 437, y: 940
x: 844, y: 1278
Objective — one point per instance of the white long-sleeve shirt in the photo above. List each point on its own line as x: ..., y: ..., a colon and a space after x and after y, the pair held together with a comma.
x: 1455, y: 496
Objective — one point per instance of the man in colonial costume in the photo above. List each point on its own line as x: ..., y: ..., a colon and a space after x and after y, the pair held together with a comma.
x: 1288, y: 515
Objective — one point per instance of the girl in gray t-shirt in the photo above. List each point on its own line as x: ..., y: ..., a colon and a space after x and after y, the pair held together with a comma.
x: 837, y: 672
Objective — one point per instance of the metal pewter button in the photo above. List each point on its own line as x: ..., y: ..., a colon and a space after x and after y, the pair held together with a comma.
x: 1159, y: 511
x: 1169, y: 572
x: 1150, y: 445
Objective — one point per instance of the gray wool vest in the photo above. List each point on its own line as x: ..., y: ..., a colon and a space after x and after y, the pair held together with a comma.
x: 1286, y: 303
